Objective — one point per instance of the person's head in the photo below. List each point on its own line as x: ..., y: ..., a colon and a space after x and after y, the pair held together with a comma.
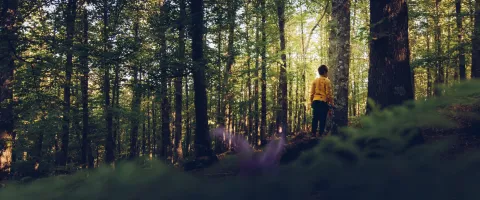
x: 323, y: 70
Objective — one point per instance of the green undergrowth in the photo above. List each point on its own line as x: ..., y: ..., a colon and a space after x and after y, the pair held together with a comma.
x: 382, y: 160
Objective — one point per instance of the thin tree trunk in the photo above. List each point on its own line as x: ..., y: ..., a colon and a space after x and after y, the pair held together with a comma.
x: 154, y: 126
x: 249, y: 76
x: 449, y: 60
x: 353, y: 63
x: 282, y: 123
x: 84, y: 85
x: 219, y: 112
x: 263, y: 117
x: 429, y: 73
x: 39, y: 144
x: 109, y: 151
x: 476, y: 43
x: 290, y: 99
x: 461, y: 50
x: 116, y: 104
x: 304, y: 79
x: 144, y: 128
x: 166, y: 133
x: 188, y: 134
x: 256, y: 116
x: 440, y: 78
x: 231, y: 56
x: 179, y: 83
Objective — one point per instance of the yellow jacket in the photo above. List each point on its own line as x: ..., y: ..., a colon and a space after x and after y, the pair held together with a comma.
x: 321, y: 90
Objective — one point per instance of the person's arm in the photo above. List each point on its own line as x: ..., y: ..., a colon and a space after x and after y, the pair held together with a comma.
x: 312, y: 92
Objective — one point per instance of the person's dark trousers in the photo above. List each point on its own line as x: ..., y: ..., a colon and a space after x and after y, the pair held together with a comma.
x: 320, y: 112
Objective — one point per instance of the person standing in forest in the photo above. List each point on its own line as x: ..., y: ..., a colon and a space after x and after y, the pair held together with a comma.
x: 321, y: 96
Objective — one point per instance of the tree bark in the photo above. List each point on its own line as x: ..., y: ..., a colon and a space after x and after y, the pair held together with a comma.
x: 339, y: 54
x: 263, y: 117
x: 109, y: 151
x: 148, y: 136
x: 440, y: 78
x: 179, y: 83
x: 188, y: 134
x: 8, y: 46
x: 86, y: 148
x: 461, y: 50
x: 429, y: 73
x: 282, y: 123
x: 166, y: 133
x: 116, y: 105
x: 70, y: 27
x: 202, y: 136
x: 227, y: 97
x: 476, y: 43
x: 390, y: 78
x: 137, y: 97
x: 154, y: 126
x: 219, y: 142
x: 249, y: 128
x: 256, y: 116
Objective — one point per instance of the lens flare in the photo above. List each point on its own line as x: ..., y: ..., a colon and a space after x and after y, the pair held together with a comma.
x: 252, y: 163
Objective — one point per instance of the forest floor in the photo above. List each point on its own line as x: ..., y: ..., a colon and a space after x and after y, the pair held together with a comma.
x: 464, y: 137
x: 228, y: 164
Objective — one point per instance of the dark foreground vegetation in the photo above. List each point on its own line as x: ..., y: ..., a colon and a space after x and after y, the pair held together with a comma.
x: 379, y: 160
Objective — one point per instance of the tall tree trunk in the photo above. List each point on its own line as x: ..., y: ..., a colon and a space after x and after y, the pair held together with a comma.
x: 390, y: 76
x: 219, y: 112
x: 39, y: 144
x: 202, y: 136
x: 164, y: 84
x: 188, y: 134
x: 263, y: 117
x: 448, y: 61
x: 282, y: 123
x: 137, y: 97
x: 440, y: 78
x: 154, y: 126
x: 109, y: 151
x: 70, y: 23
x: 117, y: 134
x: 8, y: 46
x: 461, y: 50
x: 476, y: 43
x: 227, y: 96
x: 256, y: 116
x: 356, y: 73
x: 116, y: 104
x: 339, y: 55
x: 148, y: 136
x: 179, y: 83
x: 304, y: 78
x: 429, y: 73
x: 290, y: 98
x: 86, y: 148
x: 144, y: 129
x: 249, y: 76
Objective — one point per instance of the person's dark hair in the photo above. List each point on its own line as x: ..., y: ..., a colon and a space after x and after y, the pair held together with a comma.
x: 323, y: 69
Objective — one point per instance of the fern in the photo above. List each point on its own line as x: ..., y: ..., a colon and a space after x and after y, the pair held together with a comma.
x: 372, y: 162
